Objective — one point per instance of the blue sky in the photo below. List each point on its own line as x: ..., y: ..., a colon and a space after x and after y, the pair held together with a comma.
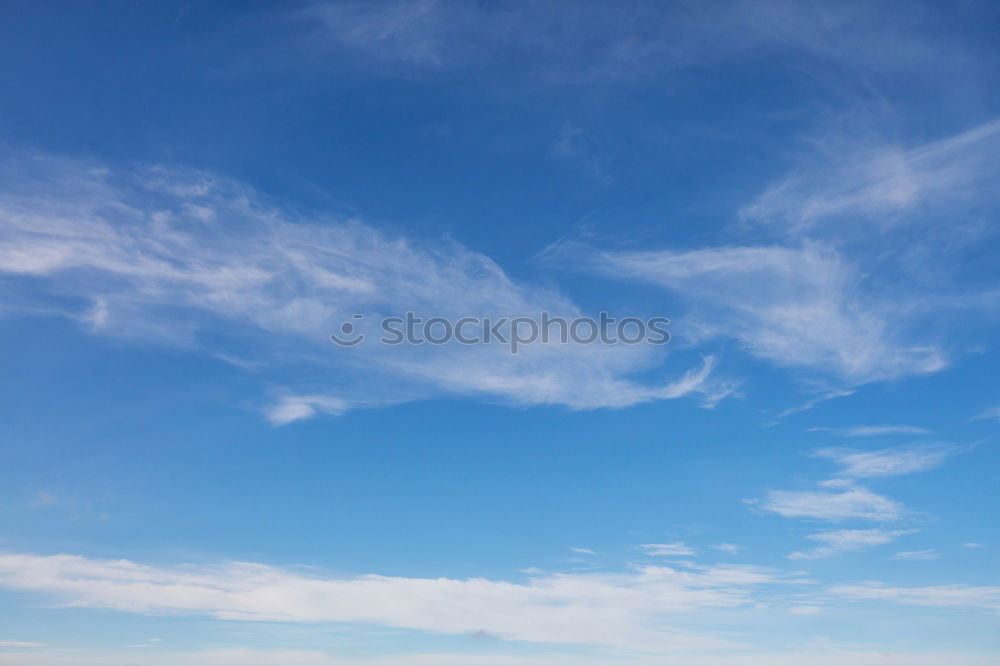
x: 195, y: 195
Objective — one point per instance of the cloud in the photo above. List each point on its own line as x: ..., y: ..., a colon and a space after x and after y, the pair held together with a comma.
x: 193, y: 260
x: 874, y: 430
x: 830, y: 655
x: 797, y: 307
x: 812, y: 402
x: 728, y: 548
x: 846, y: 541
x: 842, y: 498
x: 850, y: 267
x: 910, y: 218
x: 20, y: 644
x: 992, y: 414
x: 884, y: 186
x: 941, y: 596
x: 298, y: 407
x: 44, y: 498
x: 591, y: 42
x: 805, y: 610
x: 834, y: 292
x: 857, y: 464
x: 580, y: 149
x: 667, y: 549
x: 929, y: 554
x: 626, y: 610
x: 838, y: 504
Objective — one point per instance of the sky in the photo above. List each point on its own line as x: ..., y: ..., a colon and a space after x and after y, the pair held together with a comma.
x: 194, y: 196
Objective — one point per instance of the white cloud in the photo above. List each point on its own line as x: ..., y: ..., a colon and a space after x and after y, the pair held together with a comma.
x: 191, y: 259
x: 909, y: 218
x: 929, y: 554
x: 44, y: 498
x: 842, y: 498
x: 943, y: 596
x: 20, y: 644
x: 667, y: 549
x: 857, y: 464
x: 812, y: 402
x: 627, y: 610
x: 845, y: 541
x: 298, y: 407
x: 805, y: 610
x: 884, y: 185
x: 797, y: 307
x: 875, y: 430
x: 992, y: 414
x: 593, y: 42
x: 830, y: 655
x: 837, y: 504
x: 838, y: 299
x: 729, y: 548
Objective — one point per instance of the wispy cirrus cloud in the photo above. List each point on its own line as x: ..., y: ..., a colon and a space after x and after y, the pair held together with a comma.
x: 796, y: 307
x: 941, y: 596
x: 927, y: 554
x: 908, y: 459
x: 837, y: 542
x: 677, y: 548
x: 874, y: 430
x: 992, y: 413
x: 833, y: 297
x: 842, y: 498
x: 592, y: 42
x: 191, y: 259
x: 885, y: 185
x: 844, y: 502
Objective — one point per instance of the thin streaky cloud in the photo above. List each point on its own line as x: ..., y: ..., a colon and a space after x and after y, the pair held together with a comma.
x: 837, y: 542
x: 593, y: 43
x: 874, y: 430
x: 881, y: 183
x: 917, y: 555
x: 941, y: 596
x: 184, y: 258
x: 677, y: 548
x: 907, y: 459
x: 834, y: 505
x: 795, y: 307
x: 993, y: 414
